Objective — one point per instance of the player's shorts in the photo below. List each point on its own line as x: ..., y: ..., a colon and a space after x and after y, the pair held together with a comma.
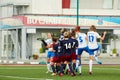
x: 56, y: 59
x: 50, y: 54
x: 80, y: 50
x: 64, y: 58
x: 73, y: 56
x: 92, y: 50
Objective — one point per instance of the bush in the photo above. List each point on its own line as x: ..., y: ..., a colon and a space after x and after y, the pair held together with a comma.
x: 41, y: 50
x: 114, y: 51
x: 35, y: 56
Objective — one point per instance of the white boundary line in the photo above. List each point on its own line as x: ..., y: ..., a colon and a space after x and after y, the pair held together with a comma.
x: 39, y: 68
x: 20, y: 68
x: 108, y: 68
x: 25, y: 78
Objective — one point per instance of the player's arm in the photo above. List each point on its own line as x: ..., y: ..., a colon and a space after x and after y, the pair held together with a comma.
x: 103, y: 37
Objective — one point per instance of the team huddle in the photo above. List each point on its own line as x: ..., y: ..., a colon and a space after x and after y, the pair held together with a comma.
x: 64, y: 54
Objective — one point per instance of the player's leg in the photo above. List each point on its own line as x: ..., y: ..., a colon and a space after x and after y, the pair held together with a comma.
x: 74, y: 56
x: 96, y: 55
x: 48, y: 62
x: 61, y: 69
x: 53, y: 68
x: 78, y: 61
x: 90, y: 64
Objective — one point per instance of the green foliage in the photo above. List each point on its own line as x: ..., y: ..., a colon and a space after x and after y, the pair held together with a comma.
x: 41, y: 50
x: 114, y: 51
x: 35, y: 56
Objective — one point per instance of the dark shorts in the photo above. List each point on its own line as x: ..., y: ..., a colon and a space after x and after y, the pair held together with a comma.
x: 56, y: 59
x: 73, y: 56
x: 64, y: 58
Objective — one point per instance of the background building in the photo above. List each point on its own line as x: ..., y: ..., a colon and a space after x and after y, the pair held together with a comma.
x: 23, y: 21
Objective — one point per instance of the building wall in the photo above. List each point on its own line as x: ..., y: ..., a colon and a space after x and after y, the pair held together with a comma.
x: 86, y: 7
x: 46, y: 7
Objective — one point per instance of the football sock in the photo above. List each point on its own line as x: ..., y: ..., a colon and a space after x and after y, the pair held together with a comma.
x: 48, y: 66
x: 53, y: 68
x: 80, y: 68
x: 74, y: 66
x: 77, y: 63
x: 90, y: 65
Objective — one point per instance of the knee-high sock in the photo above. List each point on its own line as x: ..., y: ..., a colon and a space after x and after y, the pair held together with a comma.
x: 96, y: 58
x: 61, y: 68
x: 53, y: 68
x: 77, y: 63
x: 80, y: 68
x: 90, y: 65
x: 70, y: 67
x: 57, y: 68
x: 74, y: 66
x: 48, y: 66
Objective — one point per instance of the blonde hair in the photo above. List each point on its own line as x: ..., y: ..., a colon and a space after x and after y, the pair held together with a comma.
x: 66, y: 34
x: 92, y: 28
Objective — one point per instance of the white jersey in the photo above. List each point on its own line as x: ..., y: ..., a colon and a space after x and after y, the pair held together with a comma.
x: 81, y: 37
x: 49, y: 41
x: 92, y: 39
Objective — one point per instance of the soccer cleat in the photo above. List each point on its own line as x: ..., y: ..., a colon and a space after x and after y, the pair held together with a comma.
x: 49, y: 71
x: 67, y: 71
x: 76, y: 70
x: 53, y: 74
x: 99, y: 62
x: 80, y: 73
x: 61, y: 74
x: 90, y: 73
x: 72, y: 74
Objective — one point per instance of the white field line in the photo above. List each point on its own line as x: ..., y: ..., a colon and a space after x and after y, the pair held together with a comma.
x: 107, y: 68
x: 20, y: 68
x: 24, y: 78
x: 40, y: 68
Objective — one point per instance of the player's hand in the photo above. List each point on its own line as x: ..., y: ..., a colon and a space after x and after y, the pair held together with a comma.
x: 105, y: 32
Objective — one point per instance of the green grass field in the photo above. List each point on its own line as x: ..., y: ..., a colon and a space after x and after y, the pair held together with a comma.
x: 100, y: 72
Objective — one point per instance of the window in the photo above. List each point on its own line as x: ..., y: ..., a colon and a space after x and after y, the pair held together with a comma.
x: 118, y: 4
x: 65, y: 3
x: 107, y: 4
x: 73, y: 4
x: 21, y: 9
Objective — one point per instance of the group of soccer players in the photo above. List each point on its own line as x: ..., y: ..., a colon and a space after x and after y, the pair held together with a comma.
x: 64, y: 54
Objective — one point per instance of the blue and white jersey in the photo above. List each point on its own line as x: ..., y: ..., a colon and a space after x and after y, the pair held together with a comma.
x: 92, y: 39
x: 81, y: 37
x: 49, y: 42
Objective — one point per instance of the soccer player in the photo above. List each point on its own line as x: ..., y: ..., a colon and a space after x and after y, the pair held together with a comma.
x: 66, y: 43
x: 92, y: 43
x: 55, y: 59
x: 82, y: 41
x: 50, y: 53
x: 74, y: 47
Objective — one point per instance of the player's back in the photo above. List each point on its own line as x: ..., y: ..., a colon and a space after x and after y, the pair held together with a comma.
x: 58, y: 49
x: 81, y: 37
x: 92, y: 39
x: 67, y: 46
x: 74, y: 44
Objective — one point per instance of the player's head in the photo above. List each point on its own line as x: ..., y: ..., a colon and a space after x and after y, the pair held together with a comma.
x: 49, y: 35
x: 63, y: 30
x: 54, y: 39
x: 72, y: 34
x: 66, y: 34
x: 77, y: 29
x: 92, y: 28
